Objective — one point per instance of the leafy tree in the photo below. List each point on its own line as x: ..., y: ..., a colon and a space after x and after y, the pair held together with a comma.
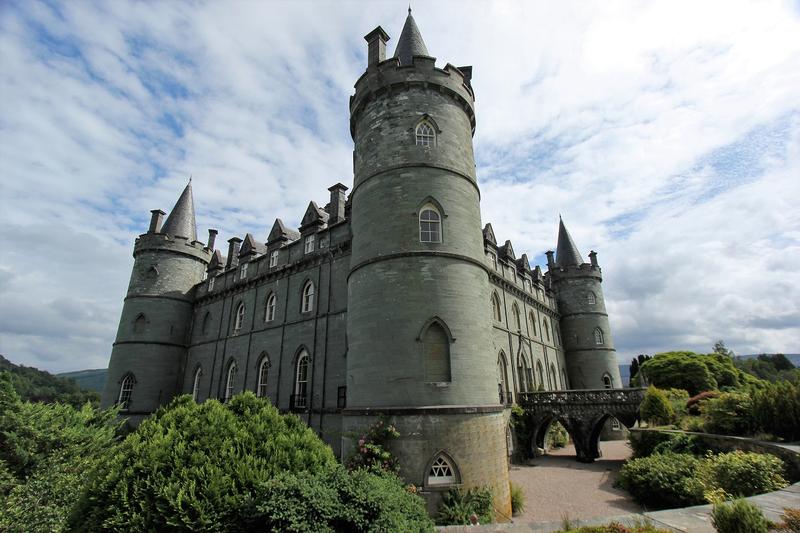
x: 720, y: 348
x: 46, y: 453
x: 655, y: 408
x: 776, y: 408
x: 34, y: 385
x: 234, y: 467
x: 679, y: 370
x: 730, y: 413
x: 636, y: 364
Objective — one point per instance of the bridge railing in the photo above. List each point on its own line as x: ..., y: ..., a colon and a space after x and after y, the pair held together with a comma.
x: 582, y: 396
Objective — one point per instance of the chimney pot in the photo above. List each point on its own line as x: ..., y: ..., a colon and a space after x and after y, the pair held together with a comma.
x: 233, y: 252
x: 212, y: 238
x: 338, y: 200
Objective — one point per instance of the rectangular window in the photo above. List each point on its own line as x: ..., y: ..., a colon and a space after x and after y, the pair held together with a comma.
x: 494, y: 260
x: 309, y: 244
x: 273, y: 259
x: 211, y: 283
x: 341, y: 397
x: 243, y: 271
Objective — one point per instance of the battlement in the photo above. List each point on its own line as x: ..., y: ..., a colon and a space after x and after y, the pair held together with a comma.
x: 577, y: 271
x: 164, y: 242
x: 389, y: 76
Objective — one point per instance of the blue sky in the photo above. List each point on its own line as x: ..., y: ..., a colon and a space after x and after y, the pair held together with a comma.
x: 666, y: 133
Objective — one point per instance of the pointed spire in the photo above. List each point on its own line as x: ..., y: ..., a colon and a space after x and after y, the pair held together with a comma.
x: 567, y: 253
x: 410, y: 43
x: 181, y: 222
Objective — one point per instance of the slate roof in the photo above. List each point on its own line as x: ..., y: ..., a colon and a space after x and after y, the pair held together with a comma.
x: 567, y: 253
x: 410, y: 43
x: 488, y: 234
x: 280, y: 232
x: 251, y: 247
x: 181, y: 221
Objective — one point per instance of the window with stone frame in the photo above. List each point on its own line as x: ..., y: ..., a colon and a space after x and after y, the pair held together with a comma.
x: 301, y: 381
x: 273, y: 258
x: 263, y: 374
x: 496, y: 307
x: 546, y: 329
x: 309, y: 244
x: 196, y: 384
x: 516, y: 315
x: 553, y: 376
x: 230, y: 381
x: 243, y: 270
x: 239, y: 318
x: 607, y: 383
x: 307, y: 304
x: 442, y: 472
x: 533, y: 324
x: 436, y: 354
x: 590, y: 298
x: 206, y: 327
x: 425, y: 134
x: 430, y: 225
x: 211, y: 283
x: 126, y: 391
x: 598, y: 336
x: 269, y: 308
x: 140, y: 323
x: 493, y: 259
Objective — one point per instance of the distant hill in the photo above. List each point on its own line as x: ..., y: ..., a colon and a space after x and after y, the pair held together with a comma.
x: 88, y: 379
x: 37, y: 385
x: 793, y: 357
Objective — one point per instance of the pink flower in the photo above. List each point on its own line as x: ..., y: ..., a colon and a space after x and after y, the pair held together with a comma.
x: 361, y: 442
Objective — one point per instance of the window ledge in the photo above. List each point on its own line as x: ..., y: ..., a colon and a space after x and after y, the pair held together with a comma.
x: 439, y: 384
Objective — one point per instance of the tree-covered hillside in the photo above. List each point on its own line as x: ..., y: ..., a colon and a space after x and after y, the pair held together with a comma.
x: 36, y: 385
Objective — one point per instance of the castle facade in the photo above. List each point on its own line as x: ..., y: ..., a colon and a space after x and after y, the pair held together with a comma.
x: 390, y: 301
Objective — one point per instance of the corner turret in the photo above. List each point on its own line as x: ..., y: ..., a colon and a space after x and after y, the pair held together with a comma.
x: 586, y: 334
x: 146, y: 366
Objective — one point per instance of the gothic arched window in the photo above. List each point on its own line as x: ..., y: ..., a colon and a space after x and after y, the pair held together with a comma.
x: 263, y: 373
x: 300, y: 400
x: 525, y: 373
x: 517, y: 319
x: 607, y: 383
x: 126, y: 391
x: 139, y: 323
x: 436, y: 353
x: 502, y: 379
x: 196, y: 383
x: 442, y: 471
x: 590, y: 298
x: 553, y: 376
x: 269, y: 308
x: 540, y: 373
x: 230, y: 381
x: 598, y: 336
x: 206, y: 323
x: 237, y: 324
x: 430, y: 224
x: 496, y: 307
x: 533, y: 324
x: 425, y: 134
x: 546, y: 329
x: 308, y: 297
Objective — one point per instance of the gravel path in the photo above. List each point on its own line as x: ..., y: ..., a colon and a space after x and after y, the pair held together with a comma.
x: 556, y: 484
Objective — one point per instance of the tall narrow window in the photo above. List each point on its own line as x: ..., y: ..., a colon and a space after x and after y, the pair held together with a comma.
x: 590, y: 298
x: 263, y: 372
x: 300, y: 399
x: 563, y: 380
x: 230, y: 381
x: 607, y: 384
x: 496, y: 307
x: 206, y: 323
x: 430, y: 225
x: 126, y: 391
x: 139, y: 323
x: 426, y: 135
x: 196, y: 384
x: 598, y: 336
x: 211, y: 283
x: 493, y: 259
x: 442, y: 471
x: 540, y: 374
x: 517, y: 320
x: 243, y: 270
x: 308, y: 298
x: 309, y: 244
x: 502, y: 379
x: 525, y: 374
x: 273, y: 259
x: 553, y: 376
x: 239, y: 320
x: 546, y: 329
x: 436, y: 354
x: 533, y: 324
x: 269, y: 310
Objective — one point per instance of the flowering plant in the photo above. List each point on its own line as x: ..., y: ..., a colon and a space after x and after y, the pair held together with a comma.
x: 371, y: 450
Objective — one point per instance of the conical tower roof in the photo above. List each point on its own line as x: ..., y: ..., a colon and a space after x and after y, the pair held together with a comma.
x: 567, y: 253
x: 181, y: 222
x: 410, y: 43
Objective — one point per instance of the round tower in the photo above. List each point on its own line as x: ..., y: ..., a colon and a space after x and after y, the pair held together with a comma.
x: 419, y: 348
x: 146, y: 366
x: 586, y: 334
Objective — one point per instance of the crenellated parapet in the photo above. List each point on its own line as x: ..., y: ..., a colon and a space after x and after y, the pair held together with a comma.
x: 163, y: 242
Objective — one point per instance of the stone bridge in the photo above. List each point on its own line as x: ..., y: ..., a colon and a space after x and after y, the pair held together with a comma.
x: 581, y: 412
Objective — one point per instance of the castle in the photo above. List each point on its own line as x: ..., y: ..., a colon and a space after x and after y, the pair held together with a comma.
x: 390, y: 301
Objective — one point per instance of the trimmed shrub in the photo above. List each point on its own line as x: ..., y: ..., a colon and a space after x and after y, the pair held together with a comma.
x: 655, y: 408
x: 517, y: 499
x: 738, y: 516
x: 557, y: 436
x: 679, y: 370
x: 663, y: 480
x: 730, y: 413
x: 644, y: 442
x: 777, y: 409
x: 681, y: 443
x: 743, y: 473
x: 458, y: 505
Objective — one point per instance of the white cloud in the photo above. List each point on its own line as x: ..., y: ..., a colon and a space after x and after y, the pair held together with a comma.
x: 629, y: 119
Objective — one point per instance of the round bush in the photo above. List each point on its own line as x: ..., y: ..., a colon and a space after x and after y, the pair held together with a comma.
x: 743, y: 473
x: 655, y: 408
x: 739, y: 516
x: 663, y: 480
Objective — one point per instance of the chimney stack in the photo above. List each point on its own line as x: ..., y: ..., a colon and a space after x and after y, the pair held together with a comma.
x: 551, y: 264
x: 593, y: 258
x: 156, y: 220
x: 233, y: 252
x: 376, y: 46
x: 212, y: 238
x: 338, y: 200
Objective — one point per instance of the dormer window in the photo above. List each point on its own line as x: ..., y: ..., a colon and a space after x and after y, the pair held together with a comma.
x: 211, y: 283
x: 309, y: 244
x: 493, y: 259
x: 426, y: 135
x: 273, y: 259
x: 243, y: 271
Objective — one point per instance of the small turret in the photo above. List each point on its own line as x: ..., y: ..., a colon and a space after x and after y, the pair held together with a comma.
x: 147, y: 359
x: 410, y: 43
x: 586, y: 334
